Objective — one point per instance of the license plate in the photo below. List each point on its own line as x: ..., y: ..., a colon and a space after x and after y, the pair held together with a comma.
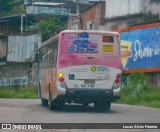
x: 83, y: 86
x: 89, y: 81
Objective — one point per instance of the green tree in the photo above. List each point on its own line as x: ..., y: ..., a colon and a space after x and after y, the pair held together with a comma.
x: 48, y: 27
x: 17, y: 10
x: 7, y: 6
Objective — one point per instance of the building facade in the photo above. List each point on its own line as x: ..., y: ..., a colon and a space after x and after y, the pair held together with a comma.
x: 88, y: 19
x: 47, y: 8
x: 18, y: 47
x: 125, y: 13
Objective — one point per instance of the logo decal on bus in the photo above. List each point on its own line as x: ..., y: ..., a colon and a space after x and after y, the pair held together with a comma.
x: 70, y: 37
x: 71, y: 77
x: 93, y: 68
x: 102, y: 69
x: 81, y: 44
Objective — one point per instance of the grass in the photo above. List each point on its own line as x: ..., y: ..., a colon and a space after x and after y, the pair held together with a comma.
x: 137, y: 92
x: 29, y: 92
x: 150, y: 98
x: 143, y: 94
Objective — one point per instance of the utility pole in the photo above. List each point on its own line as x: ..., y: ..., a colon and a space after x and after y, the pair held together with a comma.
x: 22, y: 23
x: 77, y: 9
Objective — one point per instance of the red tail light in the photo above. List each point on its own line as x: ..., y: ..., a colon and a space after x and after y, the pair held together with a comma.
x: 117, y: 81
x: 61, y: 79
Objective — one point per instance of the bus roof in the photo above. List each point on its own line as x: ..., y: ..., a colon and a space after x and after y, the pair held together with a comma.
x: 90, y: 31
x: 50, y: 40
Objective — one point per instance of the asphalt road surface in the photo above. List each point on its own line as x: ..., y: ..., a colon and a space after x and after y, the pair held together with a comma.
x: 31, y: 111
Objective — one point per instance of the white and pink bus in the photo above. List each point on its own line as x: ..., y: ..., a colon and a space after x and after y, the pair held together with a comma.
x: 78, y: 66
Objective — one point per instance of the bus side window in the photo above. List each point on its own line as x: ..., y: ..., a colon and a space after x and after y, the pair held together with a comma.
x: 40, y: 58
x: 55, y: 57
x: 54, y: 52
x: 45, y: 58
x: 50, y: 57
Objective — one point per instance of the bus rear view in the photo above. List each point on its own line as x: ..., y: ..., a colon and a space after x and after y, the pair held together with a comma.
x: 89, y: 67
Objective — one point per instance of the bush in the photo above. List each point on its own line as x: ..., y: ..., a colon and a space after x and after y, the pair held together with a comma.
x: 137, y: 85
x: 49, y: 27
x: 29, y: 92
x: 138, y: 91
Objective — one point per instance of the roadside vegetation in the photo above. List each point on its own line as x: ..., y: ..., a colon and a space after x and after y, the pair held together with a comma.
x: 50, y: 26
x: 11, y: 7
x: 139, y: 91
x: 29, y: 92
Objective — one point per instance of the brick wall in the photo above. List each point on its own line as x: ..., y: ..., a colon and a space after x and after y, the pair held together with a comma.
x: 95, y: 13
x: 74, y: 22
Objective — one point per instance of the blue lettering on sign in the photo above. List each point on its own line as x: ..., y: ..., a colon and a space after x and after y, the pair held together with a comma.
x: 145, y: 48
x: 71, y: 76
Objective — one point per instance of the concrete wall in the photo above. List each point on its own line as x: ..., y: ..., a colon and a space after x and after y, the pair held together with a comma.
x: 129, y: 12
x: 116, y: 8
x: 154, y: 8
x: 119, y: 24
x: 14, y: 74
x: 23, y: 48
x: 18, y: 74
x: 3, y: 48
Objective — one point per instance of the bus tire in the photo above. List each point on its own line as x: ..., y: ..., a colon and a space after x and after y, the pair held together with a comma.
x: 108, y: 106
x: 59, y: 104
x: 44, y: 102
x: 39, y: 90
x: 50, y: 102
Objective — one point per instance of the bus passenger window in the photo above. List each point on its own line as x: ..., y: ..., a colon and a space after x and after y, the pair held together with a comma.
x: 55, y: 57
